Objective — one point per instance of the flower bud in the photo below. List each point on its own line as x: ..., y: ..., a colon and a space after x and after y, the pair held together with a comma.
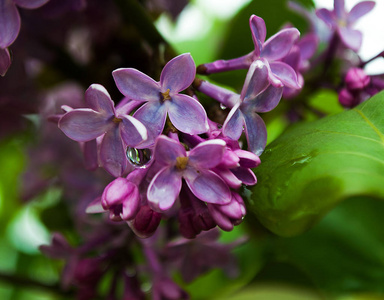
x: 356, y: 79
x: 145, y: 222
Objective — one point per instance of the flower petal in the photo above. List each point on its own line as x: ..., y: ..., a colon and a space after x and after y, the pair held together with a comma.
x: 247, y: 159
x: 256, y: 132
x: 359, y: 10
x: 256, y: 80
x: 167, y: 150
x: 187, y: 114
x: 164, y: 188
x: 339, y: 9
x: 207, y: 154
x: 98, y: 98
x: 267, y: 100
x: 259, y: 32
x: 152, y: 115
x: 5, y: 61
x: 136, y: 85
x: 245, y: 175
x: 285, y: 73
x: 84, y: 124
x: 132, y: 131
x: 207, y: 186
x: 327, y: 16
x: 30, y: 3
x: 90, y: 155
x: 351, y: 38
x: 233, y: 125
x: 279, y: 45
x: 178, y: 74
x: 112, y: 153
x: 9, y: 23
x: 95, y: 207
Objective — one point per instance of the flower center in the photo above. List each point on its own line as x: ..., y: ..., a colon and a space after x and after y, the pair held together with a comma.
x: 181, y: 162
x: 166, y: 95
x: 117, y: 120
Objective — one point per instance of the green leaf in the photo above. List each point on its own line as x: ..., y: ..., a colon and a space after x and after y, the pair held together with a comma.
x: 312, y: 167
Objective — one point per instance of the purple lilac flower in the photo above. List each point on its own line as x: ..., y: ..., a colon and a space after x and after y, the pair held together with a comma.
x: 163, y: 98
x: 193, y: 166
x: 146, y: 222
x: 102, y: 119
x: 342, y: 21
x: 270, y: 52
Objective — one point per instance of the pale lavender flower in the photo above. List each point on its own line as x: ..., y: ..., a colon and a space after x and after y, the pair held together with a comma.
x: 116, y: 126
x: 163, y: 97
x: 270, y: 52
x: 342, y: 21
x: 10, y: 18
x: 193, y: 166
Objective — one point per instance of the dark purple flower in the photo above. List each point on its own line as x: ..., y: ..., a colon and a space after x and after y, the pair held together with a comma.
x: 146, y: 222
x: 5, y: 61
x: 193, y: 167
x: 163, y: 98
x: 342, y: 21
x: 102, y: 119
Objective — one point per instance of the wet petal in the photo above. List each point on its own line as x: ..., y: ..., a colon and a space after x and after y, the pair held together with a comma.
x: 136, y: 85
x: 207, y: 186
x: 327, y: 16
x: 112, y: 153
x: 178, y: 74
x: 351, y: 38
x: 267, y: 100
x: 233, y: 125
x: 132, y: 131
x: 98, y: 98
x: 259, y: 32
x: 359, y: 10
x: 187, y: 114
x: 84, y: 124
x: 9, y: 23
x: 256, y: 132
x: 207, y: 154
x: 5, y: 61
x: 164, y: 188
x: 167, y: 150
x: 279, y: 45
x: 256, y: 80
x: 152, y: 115
x: 30, y: 3
x: 285, y: 73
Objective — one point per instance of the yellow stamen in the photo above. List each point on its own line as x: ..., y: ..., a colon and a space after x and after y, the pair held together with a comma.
x: 117, y: 120
x: 181, y: 162
x: 166, y: 95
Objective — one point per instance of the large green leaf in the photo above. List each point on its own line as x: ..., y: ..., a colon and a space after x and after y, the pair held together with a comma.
x: 312, y: 167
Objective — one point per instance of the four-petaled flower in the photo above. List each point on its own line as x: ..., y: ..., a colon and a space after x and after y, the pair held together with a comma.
x: 341, y: 21
x: 163, y: 97
x: 86, y: 124
x: 193, y: 167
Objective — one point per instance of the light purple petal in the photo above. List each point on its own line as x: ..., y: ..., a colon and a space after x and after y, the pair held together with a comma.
x: 131, y: 205
x: 30, y: 3
x: 327, y: 16
x: 84, y: 124
x: 256, y: 80
x: 90, y: 155
x: 164, y: 188
x: 233, y: 125
x: 187, y: 114
x: 308, y: 45
x: 207, y: 186
x: 339, y: 9
x: 98, y: 98
x: 267, y: 100
x: 272, y: 78
x: 9, y: 23
x: 116, y: 191
x: 152, y: 115
x: 5, y: 61
x: 351, y: 38
x: 178, y: 74
x: 359, y: 10
x: 132, y: 131
x: 167, y: 150
x: 245, y: 175
x: 230, y: 179
x: 256, y: 132
x: 112, y: 153
x: 207, y: 154
x: 279, y: 45
x: 259, y: 32
x: 247, y: 159
x: 285, y: 73
x: 136, y: 85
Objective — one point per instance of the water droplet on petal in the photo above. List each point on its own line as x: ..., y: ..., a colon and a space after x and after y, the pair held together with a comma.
x: 139, y: 158
x: 222, y: 106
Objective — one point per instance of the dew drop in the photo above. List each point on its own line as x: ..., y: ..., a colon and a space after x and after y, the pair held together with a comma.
x: 139, y: 158
x: 222, y: 106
